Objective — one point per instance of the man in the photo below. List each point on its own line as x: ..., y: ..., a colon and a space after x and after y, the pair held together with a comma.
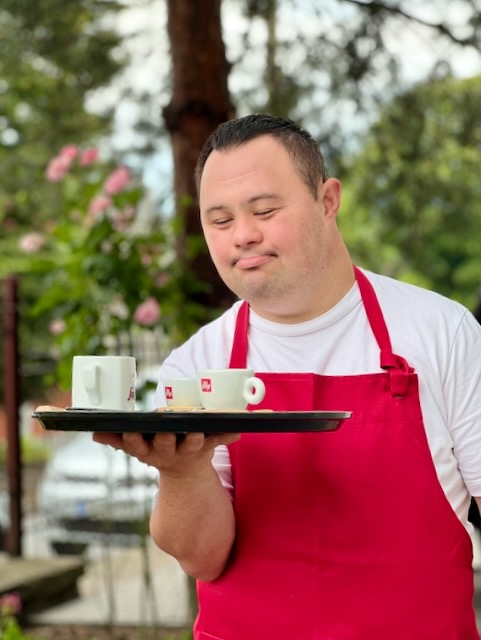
x: 360, y: 533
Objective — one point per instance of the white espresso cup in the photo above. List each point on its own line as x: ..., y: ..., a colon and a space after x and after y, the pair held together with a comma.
x: 104, y: 382
x: 229, y: 388
x: 181, y: 392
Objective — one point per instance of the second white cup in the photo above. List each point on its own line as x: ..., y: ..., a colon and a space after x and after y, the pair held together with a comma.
x: 229, y: 388
x: 181, y: 392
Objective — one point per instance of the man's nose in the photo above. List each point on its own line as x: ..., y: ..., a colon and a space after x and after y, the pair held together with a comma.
x: 246, y: 232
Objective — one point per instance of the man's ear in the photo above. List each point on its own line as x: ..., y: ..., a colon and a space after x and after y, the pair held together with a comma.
x: 330, y: 196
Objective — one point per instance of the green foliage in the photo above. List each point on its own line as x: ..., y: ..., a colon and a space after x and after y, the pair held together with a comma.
x: 411, y: 206
x: 103, y: 269
x: 336, y: 64
x: 33, y: 451
x: 10, y: 630
x: 52, y: 54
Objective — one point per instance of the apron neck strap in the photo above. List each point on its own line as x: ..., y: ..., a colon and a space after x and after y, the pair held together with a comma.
x: 396, y: 365
x: 238, y: 356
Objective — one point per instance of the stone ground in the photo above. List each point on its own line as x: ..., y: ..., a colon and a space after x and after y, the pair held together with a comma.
x: 66, y: 631
x: 77, y: 631
x: 94, y: 632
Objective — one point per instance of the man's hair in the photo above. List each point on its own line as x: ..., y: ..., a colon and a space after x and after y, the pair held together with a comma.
x: 299, y: 144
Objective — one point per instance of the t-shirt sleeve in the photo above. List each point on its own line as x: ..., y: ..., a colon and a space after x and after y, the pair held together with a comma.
x: 222, y: 465
x: 463, y: 396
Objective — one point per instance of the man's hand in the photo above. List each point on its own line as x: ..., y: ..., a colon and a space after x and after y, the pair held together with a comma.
x: 174, y: 457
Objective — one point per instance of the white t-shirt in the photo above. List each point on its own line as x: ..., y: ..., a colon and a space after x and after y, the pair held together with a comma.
x: 438, y: 337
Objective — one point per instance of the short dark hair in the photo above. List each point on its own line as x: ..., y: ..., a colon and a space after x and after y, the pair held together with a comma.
x: 301, y: 146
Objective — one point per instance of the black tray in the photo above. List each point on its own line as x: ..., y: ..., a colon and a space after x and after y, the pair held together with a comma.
x: 190, y: 421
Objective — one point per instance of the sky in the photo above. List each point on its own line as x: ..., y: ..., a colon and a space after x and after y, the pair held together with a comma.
x: 143, y: 27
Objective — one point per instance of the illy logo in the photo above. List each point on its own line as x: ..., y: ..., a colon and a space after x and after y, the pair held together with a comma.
x: 206, y: 385
x: 169, y: 393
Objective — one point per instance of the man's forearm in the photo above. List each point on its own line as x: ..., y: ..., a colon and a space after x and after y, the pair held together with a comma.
x: 193, y: 520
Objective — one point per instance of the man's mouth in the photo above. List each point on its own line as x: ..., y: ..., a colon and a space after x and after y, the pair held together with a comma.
x: 252, y: 262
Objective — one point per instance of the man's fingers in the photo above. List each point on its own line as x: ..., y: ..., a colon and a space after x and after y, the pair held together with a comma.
x: 113, y: 439
x: 191, y: 443
x: 165, y: 440
x: 136, y: 445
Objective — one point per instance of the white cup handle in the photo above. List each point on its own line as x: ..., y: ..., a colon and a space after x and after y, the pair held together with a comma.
x: 254, y: 390
x: 91, y: 383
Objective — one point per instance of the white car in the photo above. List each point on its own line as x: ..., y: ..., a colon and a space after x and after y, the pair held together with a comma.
x: 90, y: 493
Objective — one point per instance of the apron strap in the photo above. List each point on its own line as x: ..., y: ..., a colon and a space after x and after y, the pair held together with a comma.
x: 395, y: 365
x: 238, y: 355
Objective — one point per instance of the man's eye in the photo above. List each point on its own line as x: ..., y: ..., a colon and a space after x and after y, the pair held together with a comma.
x: 264, y: 212
x: 221, y: 222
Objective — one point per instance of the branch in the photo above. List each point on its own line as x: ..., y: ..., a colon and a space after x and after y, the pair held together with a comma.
x: 378, y: 7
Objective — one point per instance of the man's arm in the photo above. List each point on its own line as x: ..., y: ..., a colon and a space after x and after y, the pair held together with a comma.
x: 193, y: 517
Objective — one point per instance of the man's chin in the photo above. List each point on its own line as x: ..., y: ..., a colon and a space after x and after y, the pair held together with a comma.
x: 254, y: 286
x: 256, y: 296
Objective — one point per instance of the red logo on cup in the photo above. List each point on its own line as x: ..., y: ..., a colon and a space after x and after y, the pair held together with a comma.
x: 169, y: 393
x: 131, y: 394
x: 206, y: 385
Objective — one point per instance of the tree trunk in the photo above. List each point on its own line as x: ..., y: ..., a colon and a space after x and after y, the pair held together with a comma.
x: 200, y: 102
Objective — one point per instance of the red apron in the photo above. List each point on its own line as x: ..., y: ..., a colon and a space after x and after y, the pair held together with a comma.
x: 343, y: 535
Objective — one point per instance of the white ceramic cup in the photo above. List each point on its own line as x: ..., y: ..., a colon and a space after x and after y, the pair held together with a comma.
x: 181, y: 392
x: 229, y: 388
x: 104, y: 382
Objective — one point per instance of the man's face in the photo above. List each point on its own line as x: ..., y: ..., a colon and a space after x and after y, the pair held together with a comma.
x: 266, y: 232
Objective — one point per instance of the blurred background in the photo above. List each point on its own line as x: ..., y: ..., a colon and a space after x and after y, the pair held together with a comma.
x: 104, y: 106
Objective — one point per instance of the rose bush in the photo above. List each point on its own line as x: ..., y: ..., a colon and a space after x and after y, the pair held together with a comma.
x: 10, y: 608
x: 104, y: 265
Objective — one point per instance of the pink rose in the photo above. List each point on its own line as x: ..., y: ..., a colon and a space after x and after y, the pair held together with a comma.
x: 148, y: 312
x: 89, y: 156
x: 162, y: 279
x: 117, y: 181
x: 57, y: 326
x: 10, y: 604
x: 32, y: 242
x: 57, y: 168
x: 121, y: 219
x: 69, y: 152
x: 99, y: 204
x: 60, y: 165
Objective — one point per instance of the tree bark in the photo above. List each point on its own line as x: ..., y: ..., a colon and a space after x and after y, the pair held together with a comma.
x: 200, y: 102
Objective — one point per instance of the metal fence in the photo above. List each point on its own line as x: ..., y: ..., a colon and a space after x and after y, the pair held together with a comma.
x: 27, y: 358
